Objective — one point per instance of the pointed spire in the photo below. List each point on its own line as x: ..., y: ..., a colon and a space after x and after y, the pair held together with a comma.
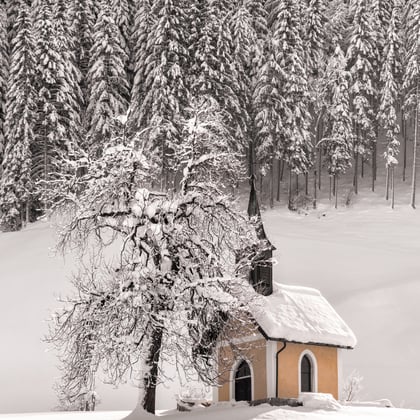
x: 254, y: 212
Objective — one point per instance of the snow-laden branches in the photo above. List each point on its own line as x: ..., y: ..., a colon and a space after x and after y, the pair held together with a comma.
x: 177, y: 267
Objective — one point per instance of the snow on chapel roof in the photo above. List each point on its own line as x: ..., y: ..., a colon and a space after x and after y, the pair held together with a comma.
x: 303, y: 315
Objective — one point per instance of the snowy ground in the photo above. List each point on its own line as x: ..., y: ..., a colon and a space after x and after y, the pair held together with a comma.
x: 243, y: 412
x: 364, y: 259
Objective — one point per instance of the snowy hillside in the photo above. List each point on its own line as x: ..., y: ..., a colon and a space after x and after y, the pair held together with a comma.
x: 364, y: 259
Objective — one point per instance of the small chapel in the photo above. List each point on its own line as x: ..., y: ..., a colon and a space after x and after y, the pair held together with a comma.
x: 290, y: 342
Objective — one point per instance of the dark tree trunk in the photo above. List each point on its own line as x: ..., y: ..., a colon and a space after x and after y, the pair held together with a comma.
x: 356, y: 170
x: 393, y: 187
x: 336, y: 190
x: 404, y: 134
x: 414, y: 174
x: 279, y: 176
x: 330, y: 192
x: 272, y: 184
x: 387, y: 183
x: 290, y: 190
x: 306, y: 183
x: 150, y: 380
x: 374, y: 161
x: 315, y: 197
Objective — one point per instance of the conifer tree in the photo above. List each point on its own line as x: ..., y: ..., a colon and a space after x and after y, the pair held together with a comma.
x: 288, y: 62
x: 57, y: 128
x: 411, y: 78
x: 361, y: 56
x: 390, y: 84
x: 249, y: 33
x: 107, y: 80
x: 143, y: 22
x: 121, y: 12
x: 165, y: 93
x: 16, y: 185
x: 214, y: 70
x: 316, y: 35
x: 339, y: 132
x: 4, y: 65
x: 73, y: 74
x: 82, y: 17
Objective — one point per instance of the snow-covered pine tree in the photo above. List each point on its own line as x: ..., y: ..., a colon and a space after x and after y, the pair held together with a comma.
x: 315, y: 34
x: 294, y: 144
x: 73, y: 74
x: 82, y: 17
x: 121, y: 12
x: 249, y: 34
x: 4, y: 69
x: 107, y: 80
x: 16, y: 185
x: 317, y: 37
x: 12, y: 10
x: 361, y: 56
x: 411, y: 78
x: 180, y: 269
x: 143, y: 22
x: 389, y: 94
x: 338, y: 139
x: 57, y: 128
x: 214, y: 70
x: 165, y: 79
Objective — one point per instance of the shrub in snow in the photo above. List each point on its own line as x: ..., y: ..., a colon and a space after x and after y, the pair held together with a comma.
x: 352, y: 386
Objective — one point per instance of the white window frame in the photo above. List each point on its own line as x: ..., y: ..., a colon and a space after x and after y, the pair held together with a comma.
x: 314, y: 370
x: 233, y: 374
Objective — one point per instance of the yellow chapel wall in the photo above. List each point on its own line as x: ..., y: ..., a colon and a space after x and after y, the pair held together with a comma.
x: 327, y: 369
x: 254, y: 352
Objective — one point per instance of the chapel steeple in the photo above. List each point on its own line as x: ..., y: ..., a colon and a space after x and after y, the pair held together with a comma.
x: 261, y: 276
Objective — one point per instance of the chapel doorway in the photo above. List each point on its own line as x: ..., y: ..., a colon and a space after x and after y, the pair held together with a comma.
x: 243, y: 383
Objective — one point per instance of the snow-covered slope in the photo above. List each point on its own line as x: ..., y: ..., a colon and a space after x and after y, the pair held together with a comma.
x: 31, y: 279
x: 366, y: 262
x: 241, y: 412
x: 364, y: 259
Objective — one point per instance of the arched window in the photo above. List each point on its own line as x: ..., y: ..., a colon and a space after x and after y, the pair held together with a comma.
x: 306, y: 374
x: 243, y: 383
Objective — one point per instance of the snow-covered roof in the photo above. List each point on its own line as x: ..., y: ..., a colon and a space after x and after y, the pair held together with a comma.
x: 302, y: 315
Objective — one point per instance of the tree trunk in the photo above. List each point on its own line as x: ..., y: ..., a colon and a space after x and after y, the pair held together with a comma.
x: 297, y: 185
x: 307, y: 183
x: 330, y: 192
x: 356, y: 170
x: 150, y: 380
x: 387, y: 183
x: 404, y: 133
x: 318, y: 139
x: 393, y: 187
x: 319, y: 167
x: 413, y: 181
x: 279, y: 175
x: 290, y: 190
x: 314, y: 202
x: 336, y: 190
x: 272, y: 184
x: 374, y: 156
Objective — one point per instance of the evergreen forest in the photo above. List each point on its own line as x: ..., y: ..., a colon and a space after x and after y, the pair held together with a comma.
x: 289, y: 89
